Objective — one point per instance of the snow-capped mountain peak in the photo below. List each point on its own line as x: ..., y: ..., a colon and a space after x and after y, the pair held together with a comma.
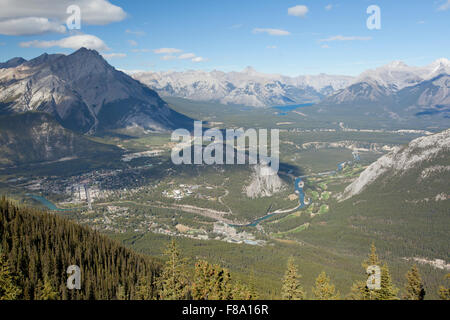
x: 396, y: 64
x: 397, y: 75
x: 253, y: 88
x: 248, y: 87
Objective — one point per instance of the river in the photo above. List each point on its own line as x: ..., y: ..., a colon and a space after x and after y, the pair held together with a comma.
x: 299, y: 185
x: 46, y: 202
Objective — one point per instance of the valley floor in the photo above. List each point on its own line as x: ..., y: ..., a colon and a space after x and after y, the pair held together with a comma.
x: 141, y: 199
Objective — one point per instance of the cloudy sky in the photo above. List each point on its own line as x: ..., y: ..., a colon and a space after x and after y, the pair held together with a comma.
x: 273, y: 36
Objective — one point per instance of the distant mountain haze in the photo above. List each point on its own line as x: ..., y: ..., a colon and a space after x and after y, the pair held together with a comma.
x: 248, y: 87
x: 396, y: 80
x: 252, y: 88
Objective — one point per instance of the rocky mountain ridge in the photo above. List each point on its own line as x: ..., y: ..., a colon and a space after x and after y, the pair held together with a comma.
x: 84, y: 93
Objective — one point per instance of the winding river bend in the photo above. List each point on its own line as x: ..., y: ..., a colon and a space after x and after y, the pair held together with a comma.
x: 299, y: 185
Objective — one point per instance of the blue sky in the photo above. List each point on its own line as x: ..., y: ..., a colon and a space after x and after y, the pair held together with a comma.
x: 325, y: 37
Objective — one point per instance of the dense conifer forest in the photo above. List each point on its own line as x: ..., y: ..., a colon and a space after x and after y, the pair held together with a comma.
x: 39, y: 247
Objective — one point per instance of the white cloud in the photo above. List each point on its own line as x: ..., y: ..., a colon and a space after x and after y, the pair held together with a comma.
x: 198, y: 59
x: 445, y: 6
x: 29, y: 26
x: 329, y: 7
x: 94, y: 12
x: 272, y: 32
x: 271, y: 47
x: 50, y: 16
x: 132, y: 43
x: 298, y: 11
x: 186, y: 56
x: 325, y: 46
x: 73, y: 42
x: 167, y: 51
x: 168, y: 57
x: 344, y: 38
x: 136, y: 33
x: 114, y: 55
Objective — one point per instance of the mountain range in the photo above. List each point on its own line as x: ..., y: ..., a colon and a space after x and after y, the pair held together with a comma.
x: 422, y: 90
x: 249, y: 87
x: 400, y: 89
x: 83, y: 93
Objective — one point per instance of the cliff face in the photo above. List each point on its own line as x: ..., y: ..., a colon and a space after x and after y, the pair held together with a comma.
x: 264, y: 183
x: 423, y: 158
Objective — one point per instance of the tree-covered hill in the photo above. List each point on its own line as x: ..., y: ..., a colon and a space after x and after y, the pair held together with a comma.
x: 39, y: 247
x: 36, y: 249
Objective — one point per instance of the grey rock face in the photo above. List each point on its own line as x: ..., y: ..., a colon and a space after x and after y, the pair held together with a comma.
x: 84, y: 93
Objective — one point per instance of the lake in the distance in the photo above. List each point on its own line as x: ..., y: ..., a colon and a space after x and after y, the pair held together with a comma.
x: 292, y: 107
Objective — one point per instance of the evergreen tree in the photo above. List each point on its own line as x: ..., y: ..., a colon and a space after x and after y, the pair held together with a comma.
x: 251, y: 286
x: 359, y: 291
x: 9, y: 289
x: 241, y: 292
x: 120, y: 294
x: 143, y: 289
x: 173, y: 282
x: 414, y: 286
x: 291, y: 288
x: 372, y: 259
x: 444, y: 292
x: 45, y: 291
x: 324, y: 290
x: 388, y: 291
x: 211, y: 282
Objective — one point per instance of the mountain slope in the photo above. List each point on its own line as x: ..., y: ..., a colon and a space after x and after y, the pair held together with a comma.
x: 425, y: 158
x: 84, y: 93
x: 41, y: 138
x: 398, y: 87
x: 248, y: 87
x: 12, y: 63
x: 430, y: 97
x: 39, y: 247
x: 400, y: 202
